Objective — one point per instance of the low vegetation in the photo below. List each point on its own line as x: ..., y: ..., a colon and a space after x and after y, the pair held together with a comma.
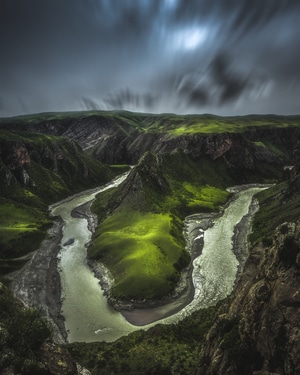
x: 142, y: 241
x: 142, y: 253
x: 167, y: 123
x: 289, y: 251
x: 54, y: 168
x: 278, y: 204
x: 22, y: 333
x: 22, y: 228
x: 163, y: 349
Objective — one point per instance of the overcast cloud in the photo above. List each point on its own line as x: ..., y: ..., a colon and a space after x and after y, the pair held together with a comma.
x: 226, y: 57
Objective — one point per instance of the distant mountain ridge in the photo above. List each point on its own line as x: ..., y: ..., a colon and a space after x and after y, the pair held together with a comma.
x: 123, y: 137
x: 183, y: 163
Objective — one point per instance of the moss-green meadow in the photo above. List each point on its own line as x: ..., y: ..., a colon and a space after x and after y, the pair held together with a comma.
x: 145, y: 248
x: 140, y: 251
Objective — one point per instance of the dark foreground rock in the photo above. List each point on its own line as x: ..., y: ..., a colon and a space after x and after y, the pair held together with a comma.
x: 257, y: 331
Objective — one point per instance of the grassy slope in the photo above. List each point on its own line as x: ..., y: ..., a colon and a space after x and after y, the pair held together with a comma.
x: 169, y: 123
x: 142, y: 242
x: 22, y: 228
x: 140, y: 252
x: 23, y: 208
x: 208, y: 124
x: 146, y: 259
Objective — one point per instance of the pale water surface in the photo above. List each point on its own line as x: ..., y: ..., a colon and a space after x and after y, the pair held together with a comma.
x: 88, y: 317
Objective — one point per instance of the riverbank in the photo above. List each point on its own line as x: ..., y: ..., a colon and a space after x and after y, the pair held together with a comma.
x: 38, y: 284
x: 139, y: 312
x: 147, y: 311
x: 143, y: 312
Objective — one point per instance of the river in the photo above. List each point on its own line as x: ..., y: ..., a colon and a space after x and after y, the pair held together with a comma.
x: 87, y: 315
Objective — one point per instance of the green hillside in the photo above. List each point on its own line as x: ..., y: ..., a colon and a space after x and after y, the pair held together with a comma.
x: 36, y: 170
x: 141, y: 240
x: 166, y: 122
x: 139, y: 236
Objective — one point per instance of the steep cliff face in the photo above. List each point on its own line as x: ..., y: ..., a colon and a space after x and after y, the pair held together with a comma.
x: 36, y: 170
x: 108, y: 135
x: 257, y: 331
x: 40, y: 163
x: 145, y: 185
x: 17, y: 157
x: 121, y: 137
x: 238, y: 151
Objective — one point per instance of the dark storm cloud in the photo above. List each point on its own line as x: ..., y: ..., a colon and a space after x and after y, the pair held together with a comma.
x: 251, y: 16
x: 197, y: 96
x: 222, y: 56
x: 231, y: 85
x: 222, y: 84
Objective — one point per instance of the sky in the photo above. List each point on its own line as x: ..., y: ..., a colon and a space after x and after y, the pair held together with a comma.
x: 226, y: 57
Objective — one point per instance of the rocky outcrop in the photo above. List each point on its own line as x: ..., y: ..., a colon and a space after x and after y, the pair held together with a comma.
x: 121, y: 137
x: 145, y: 185
x: 50, y: 167
x: 58, y: 361
x: 235, y: 149
x: 15, y: 158
x: 108, y: 136
x: 257, y: 331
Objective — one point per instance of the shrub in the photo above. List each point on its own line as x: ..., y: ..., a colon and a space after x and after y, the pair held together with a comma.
x: 288, y: 251
x: 22, y: 333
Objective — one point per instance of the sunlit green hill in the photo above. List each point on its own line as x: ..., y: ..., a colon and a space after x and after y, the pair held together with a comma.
x: 36, y: 170
x: 182, y: 165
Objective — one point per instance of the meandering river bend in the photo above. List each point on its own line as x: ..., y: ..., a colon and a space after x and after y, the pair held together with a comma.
x: 88, y: 317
